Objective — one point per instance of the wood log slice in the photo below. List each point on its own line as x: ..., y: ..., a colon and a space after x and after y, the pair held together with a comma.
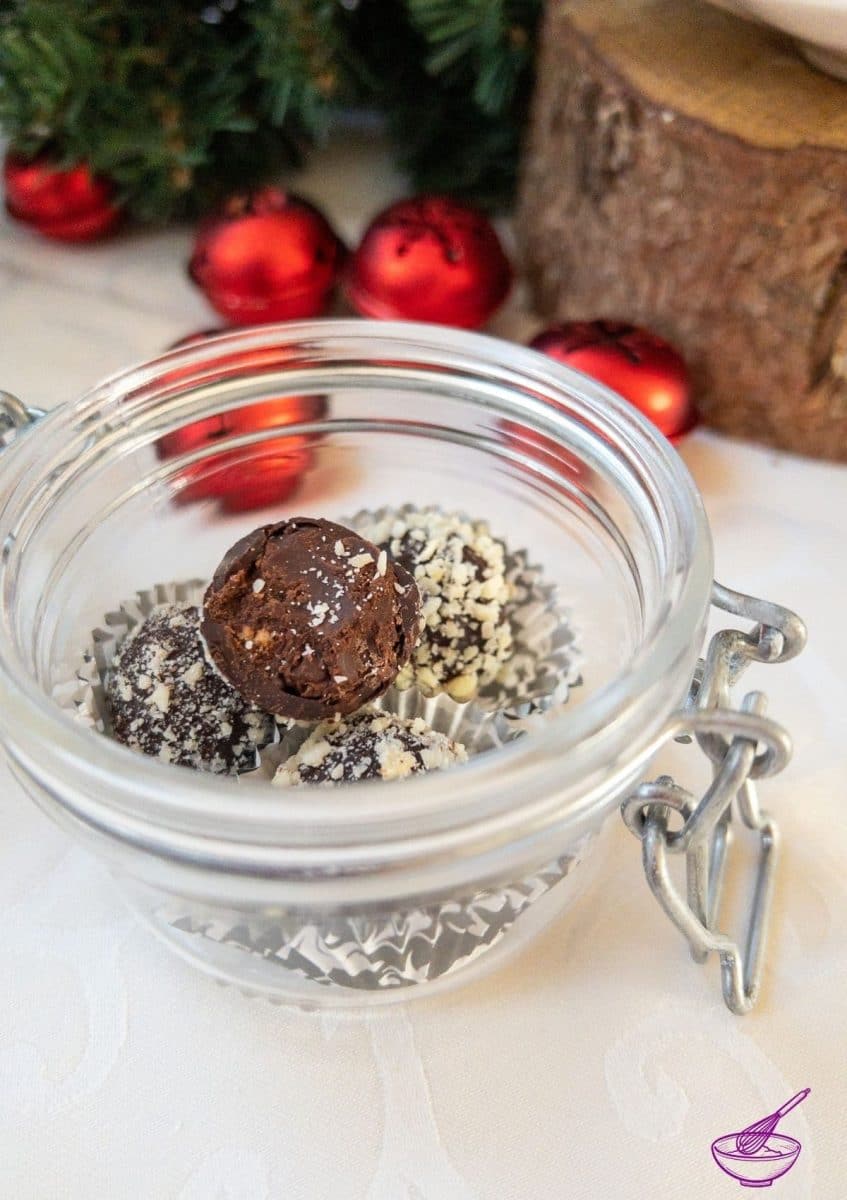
x: 687, y: 170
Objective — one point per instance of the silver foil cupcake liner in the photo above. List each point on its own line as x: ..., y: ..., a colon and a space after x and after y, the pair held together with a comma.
x: 477, y: 728
x: 388, y: 950
x: 545, y: 662
x: 385, y: 951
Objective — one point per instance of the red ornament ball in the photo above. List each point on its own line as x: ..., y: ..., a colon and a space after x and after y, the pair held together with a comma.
x: 635, y: 363
x: 254, y: 476
x: 429, y: 259
x: 272, y: 475
x: 267, y: 256
x: 68, y: 204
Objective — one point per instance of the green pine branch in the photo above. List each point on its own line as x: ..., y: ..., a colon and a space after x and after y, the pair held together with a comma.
x: 181, y: 102
x: 489, y: 42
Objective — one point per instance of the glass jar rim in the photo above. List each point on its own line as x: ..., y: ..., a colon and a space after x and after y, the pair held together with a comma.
x: 559, y: 767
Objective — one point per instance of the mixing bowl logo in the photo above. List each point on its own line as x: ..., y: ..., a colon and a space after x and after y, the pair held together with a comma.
x: 757, y: 1154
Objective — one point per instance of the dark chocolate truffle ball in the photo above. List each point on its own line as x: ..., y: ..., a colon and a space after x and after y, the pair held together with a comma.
x: 369, y: 745
x: 306, y: 619
x: 166, y: 700
x: 461, y: 573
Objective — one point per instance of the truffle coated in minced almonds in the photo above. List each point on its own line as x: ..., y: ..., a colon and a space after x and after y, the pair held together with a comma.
x: 369, y: 745
x: 460, y: 570
x: 166, y: 700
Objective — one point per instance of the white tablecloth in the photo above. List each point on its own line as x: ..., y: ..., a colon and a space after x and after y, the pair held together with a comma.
x: 601, y: 1063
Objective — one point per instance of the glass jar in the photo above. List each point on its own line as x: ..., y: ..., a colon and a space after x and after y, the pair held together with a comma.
x: 364, y: 893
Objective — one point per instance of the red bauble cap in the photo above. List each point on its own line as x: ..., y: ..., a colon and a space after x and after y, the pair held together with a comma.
x: 71, y: 205
x: 429, y: 259
x: 635, y: 363
x: 267, y: 256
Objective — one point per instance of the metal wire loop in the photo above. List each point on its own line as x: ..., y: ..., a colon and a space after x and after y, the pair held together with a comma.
x: 650, y: 798
x: 742, y: 744
x: 14, y: 416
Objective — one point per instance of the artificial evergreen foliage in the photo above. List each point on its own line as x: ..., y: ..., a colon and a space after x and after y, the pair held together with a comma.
x: 180, y: 102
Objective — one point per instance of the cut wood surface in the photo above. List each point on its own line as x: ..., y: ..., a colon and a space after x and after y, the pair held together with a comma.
x: 687, y: 170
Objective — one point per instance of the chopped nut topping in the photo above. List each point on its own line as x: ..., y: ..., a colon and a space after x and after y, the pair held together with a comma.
x: 166, y: 700
x: 460, y: 571
x: 369, y: 745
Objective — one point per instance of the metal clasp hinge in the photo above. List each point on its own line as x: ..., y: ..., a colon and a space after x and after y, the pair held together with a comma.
x: 743, y: 745
x: 14, y: 416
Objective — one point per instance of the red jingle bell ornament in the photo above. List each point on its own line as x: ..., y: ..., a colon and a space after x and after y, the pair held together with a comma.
x: 642, y: 367
x: 429, y: 259
x: 251, y: 477
x: 269, y: 475
x: 267, y: 256
x: 68, y: 204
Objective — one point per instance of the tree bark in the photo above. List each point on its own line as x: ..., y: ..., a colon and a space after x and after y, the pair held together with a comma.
x: 687, y: 171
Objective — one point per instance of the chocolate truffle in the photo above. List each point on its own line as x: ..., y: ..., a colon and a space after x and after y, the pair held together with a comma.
x: 460, y: 571
x: 166, y: 700
x: 307, y: 620
x: 369, y: 745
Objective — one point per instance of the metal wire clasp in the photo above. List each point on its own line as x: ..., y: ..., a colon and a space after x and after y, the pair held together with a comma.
x: 14, y: 416
x: 742, y: 745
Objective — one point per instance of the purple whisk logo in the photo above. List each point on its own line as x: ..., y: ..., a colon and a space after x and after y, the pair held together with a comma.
x: 757, y: 1154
